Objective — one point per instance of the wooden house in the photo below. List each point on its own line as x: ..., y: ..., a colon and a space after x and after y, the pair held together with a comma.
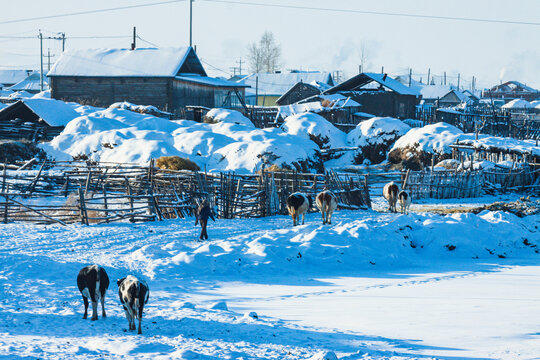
x: 167, y: 78
x: 266, y: 88
x: 512, y: 90
x: 35, y: 119
x: 379, y: 95
x: 301, y: 91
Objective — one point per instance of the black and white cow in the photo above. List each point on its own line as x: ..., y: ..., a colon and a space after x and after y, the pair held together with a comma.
x: 405, y: 201
x: 133, y: 295
x: 326, y: 201
x: 390, y: 193
x: 93, y: 282
x: 298, y: 204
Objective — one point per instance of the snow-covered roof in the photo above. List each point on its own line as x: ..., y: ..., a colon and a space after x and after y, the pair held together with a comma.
x: 147, y: 62
x: 517, y: 104
x: 31, y: 83
x: 359, y: 81
x: 434, y: 91
x: 205, y: 80
x: 12, y: 76
x: 53, y: 112
x: 277, y: 84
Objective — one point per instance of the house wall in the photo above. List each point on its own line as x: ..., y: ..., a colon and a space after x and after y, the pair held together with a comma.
x: 386, y: 103
x: 105, y: 91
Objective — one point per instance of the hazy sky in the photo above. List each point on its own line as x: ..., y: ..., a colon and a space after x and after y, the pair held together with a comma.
x: 310, y: 39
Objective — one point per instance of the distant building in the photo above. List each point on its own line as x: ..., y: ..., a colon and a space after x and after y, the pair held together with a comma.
x: 266, y: 88
x: 512, y: 90
x: 11, y: 77
x: 301, y: 91
x: 168, y: 78
x: 380, y: 95
x: 31, y: 84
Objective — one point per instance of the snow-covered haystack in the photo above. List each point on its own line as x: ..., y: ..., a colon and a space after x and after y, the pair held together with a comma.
x: 227, y: 116
x: 316, y: 128
x: 12, y: 151
x: 374, y: 137
x: 263, y: 148
x: 118, y: 135
x: 416, y: 148
x: 517, y: 104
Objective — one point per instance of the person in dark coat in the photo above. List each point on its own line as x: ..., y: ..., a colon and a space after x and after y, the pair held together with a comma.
x: 203, y: 213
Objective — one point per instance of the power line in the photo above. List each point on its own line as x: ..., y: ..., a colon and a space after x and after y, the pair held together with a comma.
x: 216, y: 68
x: 439, y: 17
x: 146, y: 41
x: 89, y: 12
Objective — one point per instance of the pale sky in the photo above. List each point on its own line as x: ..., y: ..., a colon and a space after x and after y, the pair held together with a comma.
x: 310, y: 39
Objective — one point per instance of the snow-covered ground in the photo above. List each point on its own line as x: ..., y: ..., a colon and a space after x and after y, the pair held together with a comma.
x: 371, y: 286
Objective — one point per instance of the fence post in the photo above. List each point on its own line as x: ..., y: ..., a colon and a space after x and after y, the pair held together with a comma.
x: 82, y: 205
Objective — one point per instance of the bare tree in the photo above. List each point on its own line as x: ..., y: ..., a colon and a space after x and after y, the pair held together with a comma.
x: 264, y: 55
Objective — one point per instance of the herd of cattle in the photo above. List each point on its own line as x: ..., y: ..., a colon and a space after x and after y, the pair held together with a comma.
x: 326, y: 201
x: 93, y: 281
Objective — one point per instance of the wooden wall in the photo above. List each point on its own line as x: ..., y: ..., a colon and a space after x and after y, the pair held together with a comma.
x: 385, y: 103
x: 103, y: 92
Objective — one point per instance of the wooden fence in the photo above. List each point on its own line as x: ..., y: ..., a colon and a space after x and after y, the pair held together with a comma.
x: 98, y: 193
x: 444, y: 184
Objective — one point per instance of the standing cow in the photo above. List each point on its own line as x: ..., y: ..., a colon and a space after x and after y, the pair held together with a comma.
x: 326, y: 201
x: 133, y: 295
x: 405, y: 201
x: 298, y: 204
x: 93, y: 282
x: 390, y: 193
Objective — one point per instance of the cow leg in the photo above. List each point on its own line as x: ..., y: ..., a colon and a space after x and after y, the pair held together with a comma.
x: 303, y: 217
x: 140, y: 317
x: 329, y: 217
x: 94, y: 310
x: 85, y: 307
x: 103, y: 314
x: 128, y: 316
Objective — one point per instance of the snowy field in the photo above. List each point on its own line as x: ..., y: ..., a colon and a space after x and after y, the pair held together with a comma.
x: 371, y: 286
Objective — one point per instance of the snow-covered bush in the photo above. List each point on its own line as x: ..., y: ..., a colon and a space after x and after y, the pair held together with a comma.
x: 374, y: 137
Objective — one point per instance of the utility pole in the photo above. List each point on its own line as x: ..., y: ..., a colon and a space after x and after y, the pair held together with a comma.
x: 190, y: 23
x: 49, y: 59
x: 428, y: 74
x: 410, y: 77
x: 240, y: 66
x: 445, y: 78
x: 63, y: 41
x: 382, y: 69
x: 41, y: 60
x: 134, y: 43
x: 458, y: 78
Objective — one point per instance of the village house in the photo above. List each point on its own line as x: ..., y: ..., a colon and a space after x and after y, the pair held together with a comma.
x: 168, y: 78
x: 35, y: 119
x: 379, y: 94
x: 266, y: 88
x: 512, y: 90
